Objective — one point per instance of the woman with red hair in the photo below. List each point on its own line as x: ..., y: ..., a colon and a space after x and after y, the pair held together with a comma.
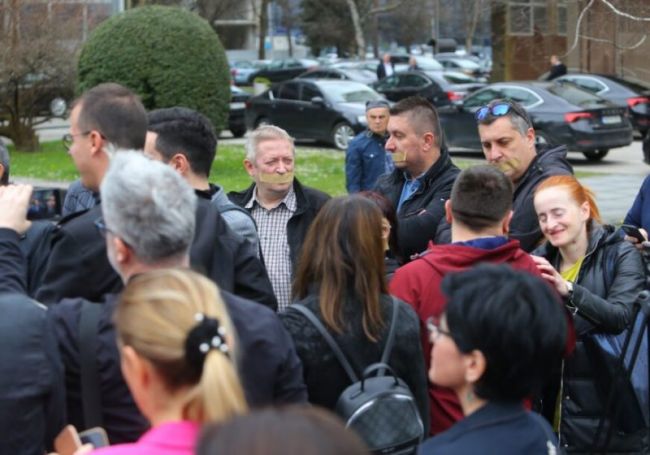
x: 599, y: 275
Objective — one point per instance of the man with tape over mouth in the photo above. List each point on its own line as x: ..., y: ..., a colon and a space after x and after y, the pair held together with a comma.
x: 281, y: 206
x: 423, y: 175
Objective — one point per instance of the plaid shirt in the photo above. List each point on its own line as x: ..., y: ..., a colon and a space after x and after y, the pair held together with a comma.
x: 272, y: 229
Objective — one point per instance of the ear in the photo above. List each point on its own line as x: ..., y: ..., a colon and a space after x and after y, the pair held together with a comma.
x: 448, y: 217
x: 530, y: 138
x: 123, y: 252
x: 97, y: 142
x: 475, y: 365
x: 505, y: 224
x: 585, y: 211
x: 429, y: 140
x: 135, y: 369
x: 250, y: 167
x: 180, y: 164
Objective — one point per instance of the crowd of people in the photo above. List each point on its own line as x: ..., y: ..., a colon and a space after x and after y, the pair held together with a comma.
x: 475, y: 311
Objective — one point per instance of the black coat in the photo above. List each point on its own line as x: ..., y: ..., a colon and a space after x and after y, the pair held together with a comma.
x: 309, y: 202
x: 78, y: 265
x: 610, y: 278
x: 270, y: 370
x: 556, y: 71
x: 32, y: 394
x: 418, y: 218
x: 324, y: 375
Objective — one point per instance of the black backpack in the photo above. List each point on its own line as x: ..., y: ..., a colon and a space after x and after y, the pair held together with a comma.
x: 380, y: 408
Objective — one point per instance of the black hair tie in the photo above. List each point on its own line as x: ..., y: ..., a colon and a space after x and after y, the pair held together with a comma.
x: 205, y: 336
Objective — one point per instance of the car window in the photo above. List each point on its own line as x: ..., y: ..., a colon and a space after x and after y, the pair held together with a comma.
x: 315, y: 75
x: 458, y: 78
x: 428, y: 64
x: 309, y: 92
x: 293, y: 64
x: 521, y: 96
x: 593, y: 85
x: 387, y: 83
x: 289, y: 91
x: 275, y: 64
x: 482, y: 97
x: 448, y: 64
x: 411, y: 81
x: 351, y: 93
x: 577, y: 96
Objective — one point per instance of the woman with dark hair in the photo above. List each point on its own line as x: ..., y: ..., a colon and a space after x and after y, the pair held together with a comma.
x: 501, y: 331
x: 389, y: 230
x: 599, y: 275
x: 284, y: 431
x: 340, y: 278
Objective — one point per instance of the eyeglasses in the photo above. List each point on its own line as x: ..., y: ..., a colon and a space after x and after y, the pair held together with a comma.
x: 68, y: 139
x: 500, y: 109
x: 433, y: 327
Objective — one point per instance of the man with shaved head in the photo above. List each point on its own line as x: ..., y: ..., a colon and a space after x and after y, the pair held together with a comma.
x: 423, y: 175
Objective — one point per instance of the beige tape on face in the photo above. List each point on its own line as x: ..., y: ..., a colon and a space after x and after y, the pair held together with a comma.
x: 398, y: 157
x: 266, y: 177
x: 508, y: 166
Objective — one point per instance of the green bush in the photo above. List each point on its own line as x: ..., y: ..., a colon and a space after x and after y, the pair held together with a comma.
x: 169, y: 56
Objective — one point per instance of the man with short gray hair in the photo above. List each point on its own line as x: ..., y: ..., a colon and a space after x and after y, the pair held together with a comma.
x: 281, y: 206
x: 148, y: 221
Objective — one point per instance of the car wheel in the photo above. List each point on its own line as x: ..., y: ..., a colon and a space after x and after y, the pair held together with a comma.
x: 342, y: 134
x: 262, y: 121
x: 596, y: 155
x: 58, y: 107
x: 238, y: 131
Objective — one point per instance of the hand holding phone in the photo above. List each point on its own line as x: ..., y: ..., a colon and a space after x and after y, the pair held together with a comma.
x: 67, y: 442
x: 634, y: 232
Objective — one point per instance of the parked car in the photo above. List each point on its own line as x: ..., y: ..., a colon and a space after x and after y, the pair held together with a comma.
x: 423, y: 63
x: 242, y: 70
x: 561, y: 114
x: 465, y: 65
x: 635, y: 97
x: 282, y: 70
x: 432, y: 85
x: 369, y: 64
x: 345, y: 74
x: 326, y: 110
x: 237, y: 117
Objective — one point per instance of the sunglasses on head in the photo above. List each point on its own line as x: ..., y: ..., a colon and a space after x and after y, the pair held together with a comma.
x: 496, y: 110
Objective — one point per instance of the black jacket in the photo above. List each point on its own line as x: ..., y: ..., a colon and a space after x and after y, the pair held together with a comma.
x: 78, y: 265
x: 324, y: 375
x: 32, y: 394
x: 610, y: 278
x: 418, y: 218
x: 309, y: 202
x: 556, y: 71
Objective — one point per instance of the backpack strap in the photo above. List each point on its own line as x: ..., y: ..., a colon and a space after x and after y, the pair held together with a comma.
x: 90, y: 394
x: 311, y: 317
x: 391, y: 333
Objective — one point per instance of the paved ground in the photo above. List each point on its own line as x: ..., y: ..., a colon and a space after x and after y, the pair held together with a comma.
x: 615, y: 180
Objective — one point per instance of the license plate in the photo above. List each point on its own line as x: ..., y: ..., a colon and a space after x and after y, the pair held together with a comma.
x: 237, y: 105
x: 611, y: 119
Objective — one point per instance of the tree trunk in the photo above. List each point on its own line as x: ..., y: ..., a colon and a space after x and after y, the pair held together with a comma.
x: 23, y: 136
x: 476, y: 14
x: 264, y: 27
x: 358, y: 31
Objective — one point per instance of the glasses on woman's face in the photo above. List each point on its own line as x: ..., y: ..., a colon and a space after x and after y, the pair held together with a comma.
x: 434, y: 329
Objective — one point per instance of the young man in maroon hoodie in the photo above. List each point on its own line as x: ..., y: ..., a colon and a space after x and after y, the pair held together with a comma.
x: 479, y: 211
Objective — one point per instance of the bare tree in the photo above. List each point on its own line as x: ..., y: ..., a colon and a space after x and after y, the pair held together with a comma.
x: 37, y: 64
x: 361, y: 11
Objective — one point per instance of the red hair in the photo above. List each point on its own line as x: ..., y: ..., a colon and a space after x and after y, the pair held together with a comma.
x: 579, y: 193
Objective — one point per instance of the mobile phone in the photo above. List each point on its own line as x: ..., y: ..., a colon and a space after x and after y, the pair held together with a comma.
x: 95, y: 436
x: 633, y: 231
x: 68, y: 441
x: 45, y: 204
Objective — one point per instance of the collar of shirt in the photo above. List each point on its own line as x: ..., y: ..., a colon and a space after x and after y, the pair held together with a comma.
x: 485, y: 243
x: 411, y: 186
x: 289, y: 201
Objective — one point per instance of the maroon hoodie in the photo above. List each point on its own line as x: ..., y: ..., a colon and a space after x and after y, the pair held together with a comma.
x: 418, y: 283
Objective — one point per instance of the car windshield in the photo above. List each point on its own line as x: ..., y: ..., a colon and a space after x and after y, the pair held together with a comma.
x: 576, y: 96
x: 357, y: 93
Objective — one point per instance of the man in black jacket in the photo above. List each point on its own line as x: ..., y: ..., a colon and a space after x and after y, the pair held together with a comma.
x: 423, y: 175
x: 148, y: 221
x: 185, y: 140
x: 282, y: 207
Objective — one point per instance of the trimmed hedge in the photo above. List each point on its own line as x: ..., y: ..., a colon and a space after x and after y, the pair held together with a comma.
x: 168, y: 55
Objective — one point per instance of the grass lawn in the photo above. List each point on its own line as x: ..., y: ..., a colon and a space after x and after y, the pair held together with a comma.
x: 319, y: 168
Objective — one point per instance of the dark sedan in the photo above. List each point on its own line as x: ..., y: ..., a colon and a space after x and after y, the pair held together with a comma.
x: 621, y: 92
x: 236, y: 116
x: 326, y: 110
x: 561, y: 114
x: 438, y: 87
x: 283, y: 70
x: 350, y: 74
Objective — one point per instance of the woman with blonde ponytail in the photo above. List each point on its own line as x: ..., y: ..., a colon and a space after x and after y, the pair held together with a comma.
x: 178, y: 358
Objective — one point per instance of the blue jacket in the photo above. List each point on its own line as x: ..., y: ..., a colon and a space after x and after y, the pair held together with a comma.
x: 496, y: 428
x: 365, y: 161
x: 639, y: 214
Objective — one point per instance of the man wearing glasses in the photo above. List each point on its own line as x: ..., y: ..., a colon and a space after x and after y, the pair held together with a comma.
x: 508, y: 141
x: 105, y: 117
